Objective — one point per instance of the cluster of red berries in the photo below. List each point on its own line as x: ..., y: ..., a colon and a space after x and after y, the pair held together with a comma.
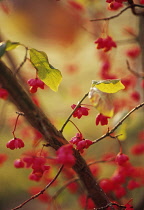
x: 37, y: 163
x: 123, y: 177
x: 105, y: 43
x: 80, y: 142
x: 35, y: 84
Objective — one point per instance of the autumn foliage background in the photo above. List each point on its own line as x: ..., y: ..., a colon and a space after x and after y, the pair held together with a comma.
x: 64, y: 31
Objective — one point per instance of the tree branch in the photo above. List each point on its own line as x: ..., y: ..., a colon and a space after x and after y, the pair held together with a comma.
x: 53, y: 137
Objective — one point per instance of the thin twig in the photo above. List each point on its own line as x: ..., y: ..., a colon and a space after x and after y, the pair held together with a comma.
x: 118, y: 14
x: 41, y: 192
x: 79, y: 103
x: 22, y: 63
x: 109, y: 132
x: 137, y: 74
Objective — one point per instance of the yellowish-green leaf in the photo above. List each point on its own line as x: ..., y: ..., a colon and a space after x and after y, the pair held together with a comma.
x: 11, y: 45
x: 46, y: 72
x: 108, y: 86
x: 2, y: 48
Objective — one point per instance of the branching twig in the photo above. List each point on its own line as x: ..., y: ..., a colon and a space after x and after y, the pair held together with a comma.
x: 119, y: 123
x: 41, y: 192
x: 79, y: 103
x: 118, y: 14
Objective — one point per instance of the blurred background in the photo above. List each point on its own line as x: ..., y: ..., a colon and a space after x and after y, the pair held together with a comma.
x: 64, y: 31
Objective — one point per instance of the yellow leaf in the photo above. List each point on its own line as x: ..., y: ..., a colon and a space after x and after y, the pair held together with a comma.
x: 108, y: 86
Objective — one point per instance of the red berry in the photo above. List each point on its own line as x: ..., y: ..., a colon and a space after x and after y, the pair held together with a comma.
x: 105, y: 43
x: 3, y: 158
x: 18, y: 163
x: 120, y: 192
x: 135, y: 96
x: 15, y: 143
x: 35, y: 83
x: 3, y: 93
x: 132, y: 184
x: 103, y: 120
x: 106, y: 185
x: 65, y: 155
x: 121, y: 158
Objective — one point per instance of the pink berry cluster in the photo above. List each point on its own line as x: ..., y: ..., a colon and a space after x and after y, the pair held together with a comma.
x: 105, y: 43
x: 115, y: 4
x: 38, y: 164
x: 125, y: 177
x: 80, y: 142
x: 35, y: 84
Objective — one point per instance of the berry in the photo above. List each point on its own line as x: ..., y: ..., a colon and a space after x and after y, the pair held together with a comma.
x: 35, y: 84
x: 15, y: 144
x: 65, y: 155
x: 120, y: 192
x: 80, y: 143
x: 3, y: 158
x: 137, y: 149
x: 135, y: 96
x: 3, y: 93
x: 106, y: 185
x: 105, y: 43
x: 80, y: 111
x: 121, y: 158
x: 18, y: 163
x: 132, y: 184
x: 134, y: 52
x: 103, y: 120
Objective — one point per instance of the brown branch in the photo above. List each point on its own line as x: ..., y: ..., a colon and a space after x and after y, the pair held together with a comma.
x: 109, y: 132
x: 41, y: 192
x: 53, y: 137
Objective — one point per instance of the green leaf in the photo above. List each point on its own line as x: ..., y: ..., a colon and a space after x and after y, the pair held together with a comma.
x: 2, y: 48
x: 108, y: 86
x: 6, y: 46
x: 46, y: 72
x: 11, y: 45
